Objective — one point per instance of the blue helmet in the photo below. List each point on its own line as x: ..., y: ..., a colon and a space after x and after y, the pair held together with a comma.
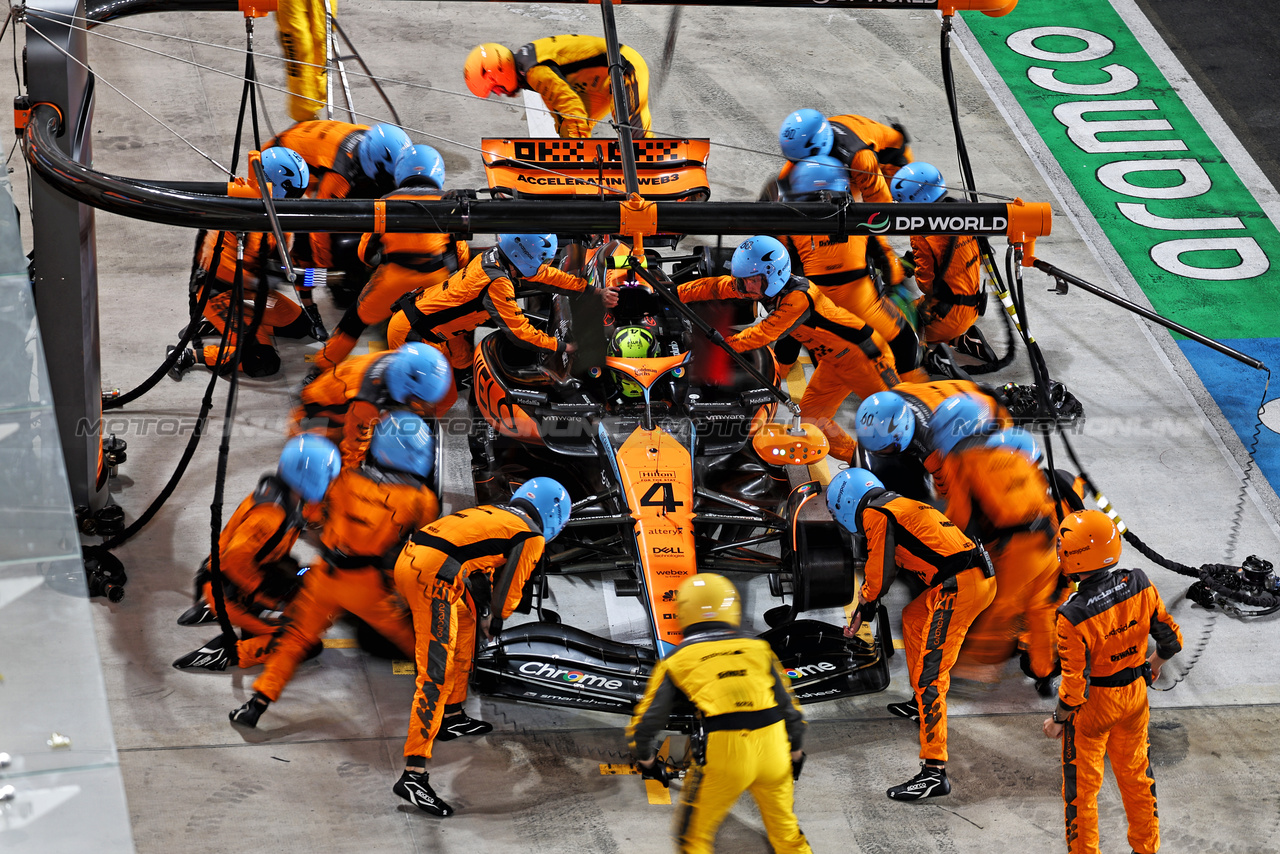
x: 417, y: 371
x: 805, y: 133
x: 402, y: 441
x: 845, y: 494
x: 1019, y: 440
x: 917, y: 182
x: 422, y: 162
x: 765, y: 256
x: 815, y: 174
x: 528, y: 252
x: 885, y: 423
x: 308, y: 464
x: 958, y: 417
x: 549, y: 500
x: 379, y: 149
x: 286, y: 171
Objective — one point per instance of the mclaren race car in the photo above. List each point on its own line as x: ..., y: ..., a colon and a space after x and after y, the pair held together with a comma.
x: 668, y: 447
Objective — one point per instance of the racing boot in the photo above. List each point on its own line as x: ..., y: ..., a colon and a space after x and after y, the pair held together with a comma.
x: 248, y: 714
x: 213, y: 656
x: 931, y: 782
x: 972, y: 343
x: 414, y: 788
x: 460, y: 724
x: 909, y: 710
x: 197, y: 615
x: 185, y: 362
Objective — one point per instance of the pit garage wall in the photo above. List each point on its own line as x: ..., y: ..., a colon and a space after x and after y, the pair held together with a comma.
x: 60, y: 785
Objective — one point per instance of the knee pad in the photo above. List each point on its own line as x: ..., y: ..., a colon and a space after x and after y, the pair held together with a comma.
x: 259, y: 361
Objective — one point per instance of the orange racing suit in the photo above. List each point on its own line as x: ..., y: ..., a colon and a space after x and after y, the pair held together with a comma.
x: 369, y: 512
x: 948, y: 271
x: 281, y: 315
x: 752, y: 724
x: 343, y: 404
x: 403, y: 263
x: 851, y: 356
x: 1102, y: 639
x: 486, y: 548
x: 1002, y: 498
x: 329, y: 147
x: 912, y: 535
x: 571, y: 73
x: 874, y: 153
x: 447, y: 314
x: 253, y: 553
x: 904, y: 472
x: 839, y: 266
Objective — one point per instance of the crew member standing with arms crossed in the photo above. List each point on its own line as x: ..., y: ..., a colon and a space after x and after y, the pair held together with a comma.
x: 1102, y: 709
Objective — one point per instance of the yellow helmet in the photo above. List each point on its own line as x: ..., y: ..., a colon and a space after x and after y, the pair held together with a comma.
x: 707, y: 598
x: 490, y: 67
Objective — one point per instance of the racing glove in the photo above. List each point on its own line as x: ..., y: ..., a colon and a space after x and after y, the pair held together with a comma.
x: 797, y: 765
x: 908, y: 264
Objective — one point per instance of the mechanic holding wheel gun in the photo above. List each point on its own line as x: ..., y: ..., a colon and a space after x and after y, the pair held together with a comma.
x: 479, y: 558
x: 1102, y: 709
x: 752, y: 725
x: 909, y: 534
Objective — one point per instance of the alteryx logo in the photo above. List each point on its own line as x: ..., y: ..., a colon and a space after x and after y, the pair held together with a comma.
x: 806, y: 670
x: 875, y: 224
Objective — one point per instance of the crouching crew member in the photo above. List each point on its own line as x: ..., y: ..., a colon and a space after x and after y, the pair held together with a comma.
x: 903, y: 533
x: 258, y: 575
x: 369, y: 511
x: 216, y: 263
x: 475, y: 558
x: 402, y: 262
x: 852, y: 357
x: 346, y: 401
x: 1102, y: 710
x: 753, y: 726
x: 893, y: 428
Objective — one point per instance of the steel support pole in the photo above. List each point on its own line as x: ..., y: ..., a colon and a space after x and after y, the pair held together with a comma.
x: 64, y: 240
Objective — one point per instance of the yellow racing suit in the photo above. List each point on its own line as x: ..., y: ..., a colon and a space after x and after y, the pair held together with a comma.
x: 752, y: 724
x: 571, y: 73
x: 302, y: 27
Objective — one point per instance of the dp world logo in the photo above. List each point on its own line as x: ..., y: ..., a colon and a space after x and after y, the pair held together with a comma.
x: 875, y: 224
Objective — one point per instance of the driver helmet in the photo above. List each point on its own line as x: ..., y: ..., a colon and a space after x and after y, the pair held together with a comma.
x: 632, y: 342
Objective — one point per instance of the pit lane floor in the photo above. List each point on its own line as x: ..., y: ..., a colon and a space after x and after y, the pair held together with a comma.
x: 316, y: 775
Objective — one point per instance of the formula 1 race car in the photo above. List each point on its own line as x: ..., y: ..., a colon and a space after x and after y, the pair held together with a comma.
x: 675, y: 466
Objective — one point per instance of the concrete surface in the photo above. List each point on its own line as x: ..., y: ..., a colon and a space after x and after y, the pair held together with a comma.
x: 316, y: 775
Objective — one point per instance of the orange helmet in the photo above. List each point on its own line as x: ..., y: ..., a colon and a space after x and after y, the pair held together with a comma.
x: 1087, y: 541
x: 490, y: 68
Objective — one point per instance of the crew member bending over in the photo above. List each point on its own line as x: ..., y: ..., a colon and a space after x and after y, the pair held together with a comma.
x: 571, y: 73
x: 752, y: 724
x: 908, y: 534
